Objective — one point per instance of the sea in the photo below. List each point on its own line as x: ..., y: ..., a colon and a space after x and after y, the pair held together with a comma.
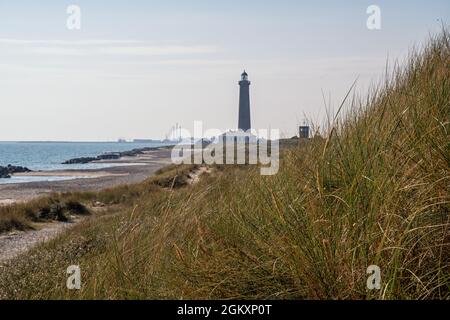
x: 39, y: 156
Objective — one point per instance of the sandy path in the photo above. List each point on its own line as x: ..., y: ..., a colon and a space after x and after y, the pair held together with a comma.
x: 14, y: 243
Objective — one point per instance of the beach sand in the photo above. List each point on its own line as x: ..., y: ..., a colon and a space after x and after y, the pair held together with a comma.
x: 133, y: 170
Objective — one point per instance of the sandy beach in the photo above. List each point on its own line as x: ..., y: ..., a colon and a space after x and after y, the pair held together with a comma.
x: 126, y: 170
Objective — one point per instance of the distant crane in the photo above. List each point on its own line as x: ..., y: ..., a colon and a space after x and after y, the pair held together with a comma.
x: 174, y: 134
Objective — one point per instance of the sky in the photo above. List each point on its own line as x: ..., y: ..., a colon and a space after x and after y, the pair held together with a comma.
x: 136, y: 68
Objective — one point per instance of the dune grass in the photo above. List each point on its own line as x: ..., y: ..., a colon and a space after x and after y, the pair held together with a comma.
x: 373, y: 190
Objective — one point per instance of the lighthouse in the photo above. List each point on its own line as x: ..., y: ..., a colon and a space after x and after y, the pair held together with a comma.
x: 244, y: 103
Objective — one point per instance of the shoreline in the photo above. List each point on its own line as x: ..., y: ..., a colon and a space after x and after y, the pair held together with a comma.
x: 125, y: 170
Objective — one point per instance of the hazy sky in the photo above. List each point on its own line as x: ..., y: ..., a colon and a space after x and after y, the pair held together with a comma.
x: 135, y: 68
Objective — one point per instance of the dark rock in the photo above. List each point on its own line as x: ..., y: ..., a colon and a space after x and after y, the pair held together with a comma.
x: 110, y: 156
x: 4, y: 175
x: 5, y: 172
x: 82, y: 160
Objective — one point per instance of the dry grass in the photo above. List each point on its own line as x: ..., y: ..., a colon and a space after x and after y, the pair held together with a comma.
x: 374, y: 190
x: 24, y: 216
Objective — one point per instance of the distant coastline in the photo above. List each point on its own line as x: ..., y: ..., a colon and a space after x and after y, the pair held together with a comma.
x: 126, y: 170
x: 45, y: 156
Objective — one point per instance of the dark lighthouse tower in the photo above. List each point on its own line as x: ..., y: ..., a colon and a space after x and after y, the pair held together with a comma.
x: 244, y: 103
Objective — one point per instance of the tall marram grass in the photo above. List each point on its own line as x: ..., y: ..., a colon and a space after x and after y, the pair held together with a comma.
x: 373, y: 190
